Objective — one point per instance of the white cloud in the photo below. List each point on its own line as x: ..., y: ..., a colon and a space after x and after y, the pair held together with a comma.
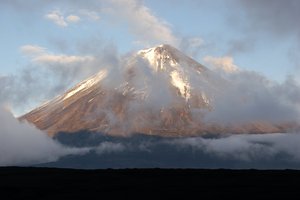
x: 42, y: 56
x: 73, y: 19
x: 57, y: 17
x: 247, y: 147
x: 21, y: 143
x: 109, y: 147
x: 225, y: 63
x: 32, y: 50
x: 48, y: 74
x: 250, y: 98
x: 147, y: 27
x: 61, y: 59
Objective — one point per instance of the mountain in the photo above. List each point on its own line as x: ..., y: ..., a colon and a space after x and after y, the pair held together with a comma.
x: 156, y: 91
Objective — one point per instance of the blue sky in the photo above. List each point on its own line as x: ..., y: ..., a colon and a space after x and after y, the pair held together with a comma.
x: 217, y: 23
x: 63, y: 36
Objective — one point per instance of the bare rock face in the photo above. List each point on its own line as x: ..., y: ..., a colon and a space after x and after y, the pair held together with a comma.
x: 157, y: 91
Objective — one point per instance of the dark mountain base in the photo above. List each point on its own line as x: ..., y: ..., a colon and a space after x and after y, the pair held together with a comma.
x: 49, y: 183
x: 142, y: 151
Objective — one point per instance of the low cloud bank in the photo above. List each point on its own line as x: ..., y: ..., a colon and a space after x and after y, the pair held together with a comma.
x: 260, y: 151
x: 247, y: 147
x: 23, y: 144
x: 109, y: 147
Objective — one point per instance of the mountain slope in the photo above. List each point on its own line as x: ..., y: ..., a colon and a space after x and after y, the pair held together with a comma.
x: 157, y: 91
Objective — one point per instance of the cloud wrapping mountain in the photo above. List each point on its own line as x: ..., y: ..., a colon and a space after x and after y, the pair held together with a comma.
x: 162, y: 91
x: 251, y: 97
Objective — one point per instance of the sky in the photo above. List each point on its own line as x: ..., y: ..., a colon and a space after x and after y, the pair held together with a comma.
x: 44, y: 43
x: 258, y: 35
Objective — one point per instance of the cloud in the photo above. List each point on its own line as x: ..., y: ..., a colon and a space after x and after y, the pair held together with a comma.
x: 241, y: 45
x: 40, y: 55
x: 23, y: 144
x: 109, y: 147
x: 61, y: 69
x: 32, y: 50
x: 57, y: 18
x: 266, y: 20
x: 61, y: 59
x: 260, y: 151
x: 247, y: 147
x: 73, y: 19
x: 278, y: 18
x: 192, y: 45
x: 249, y: 97
x: 50, y: 74
x: 148, y: 28
x: 225, y: 63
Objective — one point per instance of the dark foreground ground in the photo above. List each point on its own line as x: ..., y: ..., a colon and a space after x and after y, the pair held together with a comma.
x: 49, y: 183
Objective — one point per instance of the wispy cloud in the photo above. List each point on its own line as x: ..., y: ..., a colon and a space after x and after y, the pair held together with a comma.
x: 110, y: 147
x: 276, y: 151
x: 59, y: 19
x: 73, y: 19
x: 32, y: 50
x: 192, y: 45
x: 261, y: 18
x: 225, y: 63
x: 49, y: 74
x: 258, y: 19
x: 248, y: 97
x: 42, y: 56
x: 247, y: 147
x: 61, y: 59
x: 147, y: 28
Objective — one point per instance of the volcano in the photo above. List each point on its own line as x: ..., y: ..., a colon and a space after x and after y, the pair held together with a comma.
x: 155, y: 91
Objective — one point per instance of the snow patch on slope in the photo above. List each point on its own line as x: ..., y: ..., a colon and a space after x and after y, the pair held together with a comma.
x: 182, y: 84
x: 150, y: 55
x: 167, y: 59
x: 158, y: 57
x: 87, y: 84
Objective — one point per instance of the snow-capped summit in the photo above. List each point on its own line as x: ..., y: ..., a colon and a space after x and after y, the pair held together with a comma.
x: 158, y: 91
x: 165, y: 56
x: 180, y: 68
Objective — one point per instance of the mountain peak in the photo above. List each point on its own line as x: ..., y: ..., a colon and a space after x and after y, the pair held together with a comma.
x: 165, y: 57
x: 160, y: 46
x: 160, y: 49
x: 171, y: 100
